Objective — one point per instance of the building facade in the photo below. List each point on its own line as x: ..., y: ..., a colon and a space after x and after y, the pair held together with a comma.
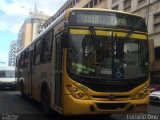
x: 31, y: 27
x: 12, y: 53
x: 148, y: 9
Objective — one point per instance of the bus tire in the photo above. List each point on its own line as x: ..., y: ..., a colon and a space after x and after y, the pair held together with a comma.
x: 45, y: 100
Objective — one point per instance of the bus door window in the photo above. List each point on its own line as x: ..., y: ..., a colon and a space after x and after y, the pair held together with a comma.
x: 58, y: 72
x: 47, y: 48
x: 30, y: 72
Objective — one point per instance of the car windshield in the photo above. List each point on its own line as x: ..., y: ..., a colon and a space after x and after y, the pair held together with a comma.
x: 7, y: 74
x: 114, y: 58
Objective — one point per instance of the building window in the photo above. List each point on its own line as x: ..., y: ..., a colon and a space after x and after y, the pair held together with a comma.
x: 100, y: 0
x: 140, y: 2
x: 146, y: 19
x: 115, y: 7
x: 72, y: 4
x: 76, y: 1
x: 114, y: 1
x: 91, y: 4
x: 157, y: 22
x: 86, y: 6
x: 127, y: 5
x: 95, y: 2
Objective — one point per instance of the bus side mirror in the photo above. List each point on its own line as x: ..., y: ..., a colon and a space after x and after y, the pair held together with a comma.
x: 64, y: 39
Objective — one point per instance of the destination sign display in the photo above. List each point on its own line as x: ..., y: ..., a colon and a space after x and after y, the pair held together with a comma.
x: 107, y: 19
x: 101, y: 20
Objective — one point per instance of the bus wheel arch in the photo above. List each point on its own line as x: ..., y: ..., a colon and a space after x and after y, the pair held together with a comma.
x: 45, y: 98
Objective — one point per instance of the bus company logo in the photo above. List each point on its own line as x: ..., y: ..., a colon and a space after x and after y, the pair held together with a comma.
x: 111, y: 97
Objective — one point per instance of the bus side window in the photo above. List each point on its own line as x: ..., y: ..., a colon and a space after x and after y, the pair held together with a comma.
x: 47, y: 48
x: 22, y: 60
x: 26, y: 58
x: 19, y: 61
x: 37, y: 53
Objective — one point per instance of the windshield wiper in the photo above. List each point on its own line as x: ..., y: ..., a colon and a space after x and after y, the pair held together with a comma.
x: 94, y: 37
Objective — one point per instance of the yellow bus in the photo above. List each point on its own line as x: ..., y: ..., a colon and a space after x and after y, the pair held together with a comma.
x: 88, y: 61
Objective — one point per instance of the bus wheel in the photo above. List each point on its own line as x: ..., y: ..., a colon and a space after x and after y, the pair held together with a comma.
x: 46, y: 100
x: 22, y: 89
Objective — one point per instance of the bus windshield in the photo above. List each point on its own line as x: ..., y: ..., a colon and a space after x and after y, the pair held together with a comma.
x: 114, y: 58
x: 7, y: 74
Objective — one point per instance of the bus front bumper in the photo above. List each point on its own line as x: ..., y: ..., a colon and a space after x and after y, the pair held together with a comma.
x: 73, y: 106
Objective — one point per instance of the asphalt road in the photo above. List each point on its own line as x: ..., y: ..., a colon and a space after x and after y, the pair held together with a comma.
x: 14, y: 107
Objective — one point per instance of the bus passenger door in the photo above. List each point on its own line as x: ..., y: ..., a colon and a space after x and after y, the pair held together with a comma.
x: 30, y: 74
x: 58, y: 73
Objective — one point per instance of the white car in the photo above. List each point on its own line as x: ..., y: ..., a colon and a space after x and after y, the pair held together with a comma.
x: 155, y: 96
x: 7, y: 77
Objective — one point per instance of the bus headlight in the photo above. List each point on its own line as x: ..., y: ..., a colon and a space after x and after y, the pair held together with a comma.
x: 76, y: 92
x: 142, y: 93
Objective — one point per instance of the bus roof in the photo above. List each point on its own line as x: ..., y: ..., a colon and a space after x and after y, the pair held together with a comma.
x: 102, y: 9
